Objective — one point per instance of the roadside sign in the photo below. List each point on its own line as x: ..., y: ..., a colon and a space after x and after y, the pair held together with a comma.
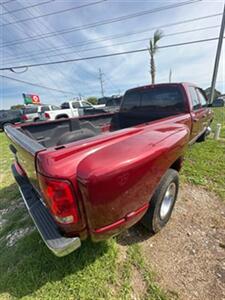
x: 31, y: 99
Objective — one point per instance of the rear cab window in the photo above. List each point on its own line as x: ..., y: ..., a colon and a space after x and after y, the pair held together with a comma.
x: 65, y: 105
x: 76, y: 104
x: 55, y: 107
x: 30, y: 110
x: 44, y: 108
x: 162, y: 101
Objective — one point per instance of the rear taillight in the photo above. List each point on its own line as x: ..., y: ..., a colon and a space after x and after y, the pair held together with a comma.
x: 47, y: 116
x: 24, y: 117
x: 60, y: 199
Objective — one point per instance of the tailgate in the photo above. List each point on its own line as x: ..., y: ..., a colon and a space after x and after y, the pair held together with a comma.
x: 24, y: 150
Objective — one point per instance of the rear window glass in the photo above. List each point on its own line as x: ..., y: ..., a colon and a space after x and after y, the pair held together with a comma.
x: 44, y: 108
x: 30, y: 110
x: 131, y: 101
x: 164, y: 100
x: 65, y: 105
x: 55, y: 107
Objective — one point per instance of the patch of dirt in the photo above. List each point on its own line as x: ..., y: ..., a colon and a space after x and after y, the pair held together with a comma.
x: 138, y: 285
x: 188, y: 255
x: 13, y: 237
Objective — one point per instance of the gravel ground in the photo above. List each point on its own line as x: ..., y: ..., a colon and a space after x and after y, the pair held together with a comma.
x: 188, y: 255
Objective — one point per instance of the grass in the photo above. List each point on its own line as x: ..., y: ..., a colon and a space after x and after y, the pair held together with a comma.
x: 205, y: 162
x: 219, y: 117
x: 28, y: 270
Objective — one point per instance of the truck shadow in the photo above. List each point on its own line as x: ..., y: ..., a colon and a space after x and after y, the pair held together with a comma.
x: 133, y: 235
x: 28, y: 265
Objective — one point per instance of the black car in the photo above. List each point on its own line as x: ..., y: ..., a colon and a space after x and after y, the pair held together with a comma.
x: 9, y: 117
x: 219, y: 102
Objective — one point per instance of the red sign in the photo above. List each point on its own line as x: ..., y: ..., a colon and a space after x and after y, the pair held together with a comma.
x: 35, y: 99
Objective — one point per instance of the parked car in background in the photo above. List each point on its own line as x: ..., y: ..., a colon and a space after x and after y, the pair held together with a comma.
x: 103, y: 100
x: 34, y: 113
x: 113, y: 104
x: 73, y: 109
x: 219, y: 102
x: 9, y: 117
x: 79, y: 180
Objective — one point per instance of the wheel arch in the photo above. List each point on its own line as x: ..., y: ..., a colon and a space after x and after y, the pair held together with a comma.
x: 177, y: 164
x: 62, y: 116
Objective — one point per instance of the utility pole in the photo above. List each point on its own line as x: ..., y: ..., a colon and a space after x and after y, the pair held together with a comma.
x: 101, y: 81
x: 217, y: 59
x: 170, y: 76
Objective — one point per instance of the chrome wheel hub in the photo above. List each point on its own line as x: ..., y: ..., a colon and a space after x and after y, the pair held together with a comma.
x: 167, y: 201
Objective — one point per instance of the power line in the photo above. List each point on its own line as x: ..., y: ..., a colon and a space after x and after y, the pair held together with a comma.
x: 23, y: 8
x: 112, y: 37
x: 53, y: 13
x: 134, y: 41
x: 103, y: 55
x: 47, y: 55
x: 99, y: 23
x: 8, y: 1
x: 25, y: 50
x: 37, y: 85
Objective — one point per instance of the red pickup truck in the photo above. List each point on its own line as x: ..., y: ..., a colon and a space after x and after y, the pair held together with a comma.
x: 94, y: 176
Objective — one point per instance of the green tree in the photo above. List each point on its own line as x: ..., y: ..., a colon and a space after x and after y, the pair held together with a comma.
x: 93, y: 100
x: 17, y: 106
x: 153, y: 48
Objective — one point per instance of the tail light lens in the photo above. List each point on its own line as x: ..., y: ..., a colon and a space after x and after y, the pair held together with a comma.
x: 24, y: 117
x: 47, y: 116
x: 60, y: 199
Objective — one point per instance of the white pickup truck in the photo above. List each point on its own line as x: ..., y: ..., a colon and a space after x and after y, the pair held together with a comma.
x: 73, y: 109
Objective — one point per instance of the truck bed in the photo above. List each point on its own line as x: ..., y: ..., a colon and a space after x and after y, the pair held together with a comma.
x: 64, y: 131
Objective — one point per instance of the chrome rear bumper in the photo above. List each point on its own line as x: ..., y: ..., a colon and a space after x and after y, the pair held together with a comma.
x: 43, y: 220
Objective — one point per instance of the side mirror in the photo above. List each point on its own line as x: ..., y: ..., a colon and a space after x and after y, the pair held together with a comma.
x: 209, y: 105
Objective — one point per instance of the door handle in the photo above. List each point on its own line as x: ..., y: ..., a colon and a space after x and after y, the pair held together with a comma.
x: 195, y: 120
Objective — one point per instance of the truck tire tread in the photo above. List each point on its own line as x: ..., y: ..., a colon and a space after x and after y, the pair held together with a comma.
x: 151, y: 219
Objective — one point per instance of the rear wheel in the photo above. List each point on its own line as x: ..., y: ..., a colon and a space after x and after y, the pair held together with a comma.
x: 202, y: 137
x: 162, y: 202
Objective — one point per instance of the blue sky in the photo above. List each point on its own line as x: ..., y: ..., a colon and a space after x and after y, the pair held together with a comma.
x: 192, y: 63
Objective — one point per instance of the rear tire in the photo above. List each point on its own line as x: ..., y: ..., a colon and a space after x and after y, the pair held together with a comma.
x: 162, y: 202
x: 202, y: 138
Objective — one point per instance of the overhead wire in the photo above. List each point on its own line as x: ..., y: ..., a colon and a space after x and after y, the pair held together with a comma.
x: 59, y: 70
x: 37, y: 85
x: 49, y: 75
x: 73, y: 82
x: 112, y: 37
x: 52, y: 13
x: 5, y: 2
x: 105, y: 55
x: 99, y: 23
x: 131, y: 42
x: 24, y: 8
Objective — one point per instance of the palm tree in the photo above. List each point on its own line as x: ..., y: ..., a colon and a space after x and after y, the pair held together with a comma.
x: 153, y: 48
